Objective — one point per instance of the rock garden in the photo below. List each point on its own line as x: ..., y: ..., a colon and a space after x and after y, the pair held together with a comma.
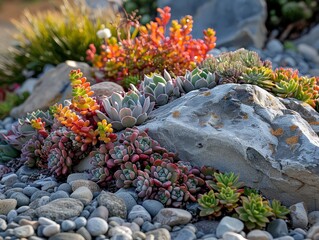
x: 139, y: 120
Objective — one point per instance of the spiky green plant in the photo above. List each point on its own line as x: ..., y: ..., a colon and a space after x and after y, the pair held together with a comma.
x: 228, y: 197
x: 254, y: 212
x: 53, y: 37
x: 278, y: 209
x: 224, y: 180
x: 209, y: 205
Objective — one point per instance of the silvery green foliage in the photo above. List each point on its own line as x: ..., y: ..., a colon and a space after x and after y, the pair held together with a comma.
x: 196, y: 79
x: 125, y: 111
x: 159, y: 89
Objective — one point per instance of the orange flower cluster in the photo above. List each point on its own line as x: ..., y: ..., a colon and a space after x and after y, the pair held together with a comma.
x: 39, y: 125
x: 82, y: 93
x: 82, y: 125
x: 151, y: 51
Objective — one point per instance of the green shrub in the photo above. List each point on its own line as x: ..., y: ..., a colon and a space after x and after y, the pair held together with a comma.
x: 53, y: 37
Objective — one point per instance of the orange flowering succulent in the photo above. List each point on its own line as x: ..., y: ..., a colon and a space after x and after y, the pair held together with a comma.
x: 151, y: 51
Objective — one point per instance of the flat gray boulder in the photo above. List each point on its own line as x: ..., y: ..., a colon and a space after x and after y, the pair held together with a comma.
x: 246, y: 130
x: 238, y: 23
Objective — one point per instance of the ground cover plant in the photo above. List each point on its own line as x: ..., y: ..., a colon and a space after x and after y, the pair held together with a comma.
x: 53, y: 37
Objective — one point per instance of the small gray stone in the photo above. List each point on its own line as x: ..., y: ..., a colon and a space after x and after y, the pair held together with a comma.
x: 128, y: 199
x: 59, y: 194
x: 275, y: 46
x: 22, y: 199
x: 159, y: 234
x: 115, y: 205
x: 84, y: 233
x: 49, y: 185
x: 3, y: 224
x: 207, y: 226
x: 24, y: 221
x: 9, y: 179
x: 185, y: 234
x: 313, y: 217
x: 139, y: 211
x: 11, y: 191
x: 152, y: 206
x: 173, y: 216
x: 65, y: 187
x: 83, y: 194
x: 68, y: 225
x: 61, y: 209
x: 80, y: 222
x: 313, y: 231
x: 121, y: 236
x: 232, y: 236
x: 23, y: 231
x: 229, y: 224
x: 6, y: 205
x: 22, y: 209
x: 11, y: 215
x: 148, y: 226
x: 97, y: 226
x: 67, y: 236
x: 299, y: 215
x: 119, y: 230
x: 277, y: 228
x: 44, y: 200
x: 85, y: 183
x: 30, y: 190
x: 285, y: 238
x: 259, y: 235
x: 45, y: 221
x: 77, y: 176
x: 51, y: 230
x: 100, y: 212
x: 85, y: 213
x: 308, y: 52
x: 38, y: 194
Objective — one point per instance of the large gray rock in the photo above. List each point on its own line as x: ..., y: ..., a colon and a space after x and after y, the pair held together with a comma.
x: 244, y: 129
x: 52, y: 87
x: 238, y: 23
x: 311, y: 38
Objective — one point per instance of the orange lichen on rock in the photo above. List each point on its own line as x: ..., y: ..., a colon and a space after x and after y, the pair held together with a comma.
x: 176, y: 114
x: 293, y: 127
x: 292, y: 140
x: 277, y: 132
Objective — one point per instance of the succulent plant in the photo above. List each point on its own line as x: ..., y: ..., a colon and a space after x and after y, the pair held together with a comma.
x: 196, y: 79
x: 278, y: 209
x: 164, y: 174
x: 194, y: 183
x: 122, y: 153
x: 179, y: 195
x: 126, y: 175
x: 163, y: 195
x: 209, y: 205
x: 260, y: 76
x: 7, y: 153
x: 160, y: 89
x: 254, y: 212
x: 224, y: 180
x: 127, y: 111
x: 32, y: 155
x: 144, y: 184
x: 228, y: 197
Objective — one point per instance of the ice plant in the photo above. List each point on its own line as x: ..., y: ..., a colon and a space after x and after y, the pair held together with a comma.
x: 152, y: 51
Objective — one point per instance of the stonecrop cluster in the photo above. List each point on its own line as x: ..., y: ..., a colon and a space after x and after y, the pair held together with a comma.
x: 151, y: 51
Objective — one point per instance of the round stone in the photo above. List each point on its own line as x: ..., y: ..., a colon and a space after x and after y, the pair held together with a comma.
x: 58, y: 194
x: 3, y: 224
x: 23, y: 231
x: 152, y: 206
x: 83, y: 194
x: 80, y: 222
x: 259, y: 235
x: 173, y: 216
x: 97, y: 226
x: 29, y: 190
x: 85, y: 183
x: 6, y: 205
x: 119, y: 230
x: 277, y: 228
x: 114, y: 204
x: 51, y: 230
x: 139, y: 211
x: 160, y: 233
x: 68, y: 225
x: 22, y: 199
x: 100, y: 212
x: 299, y: 215
x: 65, y: 187
x: 129, y: 200
x: 229, y: 224
x: 67, y: 236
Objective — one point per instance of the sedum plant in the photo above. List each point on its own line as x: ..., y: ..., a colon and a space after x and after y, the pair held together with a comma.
x: 151, y: 51
x: 254, y: 212
x: 53, y: 37
x: 209, y: 205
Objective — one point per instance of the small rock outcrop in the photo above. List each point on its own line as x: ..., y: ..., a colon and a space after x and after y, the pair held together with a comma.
x: 236, y: 24
x: 246, y: 130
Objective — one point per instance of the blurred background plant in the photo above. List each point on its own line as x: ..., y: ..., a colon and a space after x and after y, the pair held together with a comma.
x: 52, y: 37
x: 291, y: 17
x: 146, y: 9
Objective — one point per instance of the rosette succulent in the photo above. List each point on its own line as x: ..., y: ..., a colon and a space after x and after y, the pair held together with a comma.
x: 196, y: 79
x: 31, y: 153
x: 278, y: 209
x: 160, y: 89
x: 209, y: 205
x: 254, y: 212
x: 164, y: 174
x: 228, y: 197
x: 144, y: 184
x: 224, y: 180
x: 127, y: 111
x: 126, y: 175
